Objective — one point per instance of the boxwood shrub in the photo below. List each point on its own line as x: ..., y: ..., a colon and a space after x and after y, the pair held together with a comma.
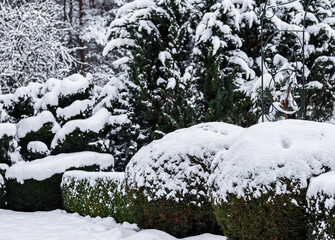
x: 166, y: 181
x: 321, y: 207
x: 269, y: 216
x: 259, y: 184
x: 95, y: 194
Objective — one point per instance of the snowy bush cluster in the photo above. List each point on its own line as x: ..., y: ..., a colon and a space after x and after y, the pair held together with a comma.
x: 64, y: 116
x: 262, y: 172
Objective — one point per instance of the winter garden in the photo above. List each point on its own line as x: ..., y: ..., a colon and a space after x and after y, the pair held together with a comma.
x: 143, y: 119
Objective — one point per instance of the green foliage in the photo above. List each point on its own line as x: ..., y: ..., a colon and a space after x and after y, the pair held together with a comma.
x: 102, y: 196
x: 34, y: 195
x: 21, y: 108
x: 44, y: 134
x: 179, y: 218
x: 270, y: 216
x: 6, y: 146
x: 321, y: 218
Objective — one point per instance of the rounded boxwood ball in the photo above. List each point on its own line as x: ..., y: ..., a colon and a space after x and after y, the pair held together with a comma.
x: 166, y: 181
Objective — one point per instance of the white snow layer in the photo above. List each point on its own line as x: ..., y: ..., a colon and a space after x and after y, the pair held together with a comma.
x: 33, y: 124
x: 325, y: 183
x: 55, y: 89
x: 37, y: 147
x: 268, y: 152
x: 8, y: 129
x: 76, y: 108
x: 44, y: 168
x: 91, y: 176
x: 59, y: 225
x: 165, y: 166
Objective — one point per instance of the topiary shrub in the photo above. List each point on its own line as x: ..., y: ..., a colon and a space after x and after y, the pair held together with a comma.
x: 321, y: 207
x: 35, y: 186
x: 166, y: 181
x: 95, y: 194
x: 258, y: 185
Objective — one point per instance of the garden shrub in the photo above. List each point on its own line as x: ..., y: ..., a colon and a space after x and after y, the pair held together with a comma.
x: 35, y: 185
x: 258, y: 185
x: 321, y: 207
x: 95, y: 194
x: 166, y: 181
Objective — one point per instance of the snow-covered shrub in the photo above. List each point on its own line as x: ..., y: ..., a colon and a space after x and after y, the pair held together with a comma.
x: 95, y: 194
x: 36, y: 150
x: 41, y: 127
x: 321, y: 207
x: 259, y: 184
x: 35, y: 185
x: 166, y: 181
x: 83, y: 134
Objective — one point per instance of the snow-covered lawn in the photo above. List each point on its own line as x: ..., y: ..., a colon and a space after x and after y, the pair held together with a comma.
x: 59, y: 225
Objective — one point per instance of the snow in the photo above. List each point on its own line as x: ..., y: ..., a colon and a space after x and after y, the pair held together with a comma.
x: 3, y: 166
x: 166, y: 163
x: 267, y: 152
x: 33, y: 124
x: 59, y: 225
x: 8, y: 129
x: 91, y: 176
x: 325, y: 183
x: 44, y: 168
x: 54, y: 89
x: 95, y: 123
x: 37, y: 147
x: 76, y: 108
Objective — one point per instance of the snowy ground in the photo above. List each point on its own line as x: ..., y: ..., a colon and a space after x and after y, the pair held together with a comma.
x: 59, y: 225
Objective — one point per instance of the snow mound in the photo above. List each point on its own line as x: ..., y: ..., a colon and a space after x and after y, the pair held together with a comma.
x: 269, y: 152
x: 168, y: 166
x: 3, y: 167
x: 76, y: 108
x: 325, y: 183
x: 8, y: 129
x: 37, y: 147
x: 33, y: 124
x: 44, y: 168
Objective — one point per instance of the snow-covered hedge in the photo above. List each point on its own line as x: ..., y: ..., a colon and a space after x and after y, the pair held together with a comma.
x: 264, y: 176
x: 167, y: 179
x: 321, y: 207
x: 35, y: 185
x: 95, y: 194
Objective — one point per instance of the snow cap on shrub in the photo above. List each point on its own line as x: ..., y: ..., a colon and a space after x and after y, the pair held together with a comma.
x: 33, y: 124
x: 269, y: 152
x: 8, y: 129
x: 179, y: 161
x: 323, y: 184
x: 44, y: 168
